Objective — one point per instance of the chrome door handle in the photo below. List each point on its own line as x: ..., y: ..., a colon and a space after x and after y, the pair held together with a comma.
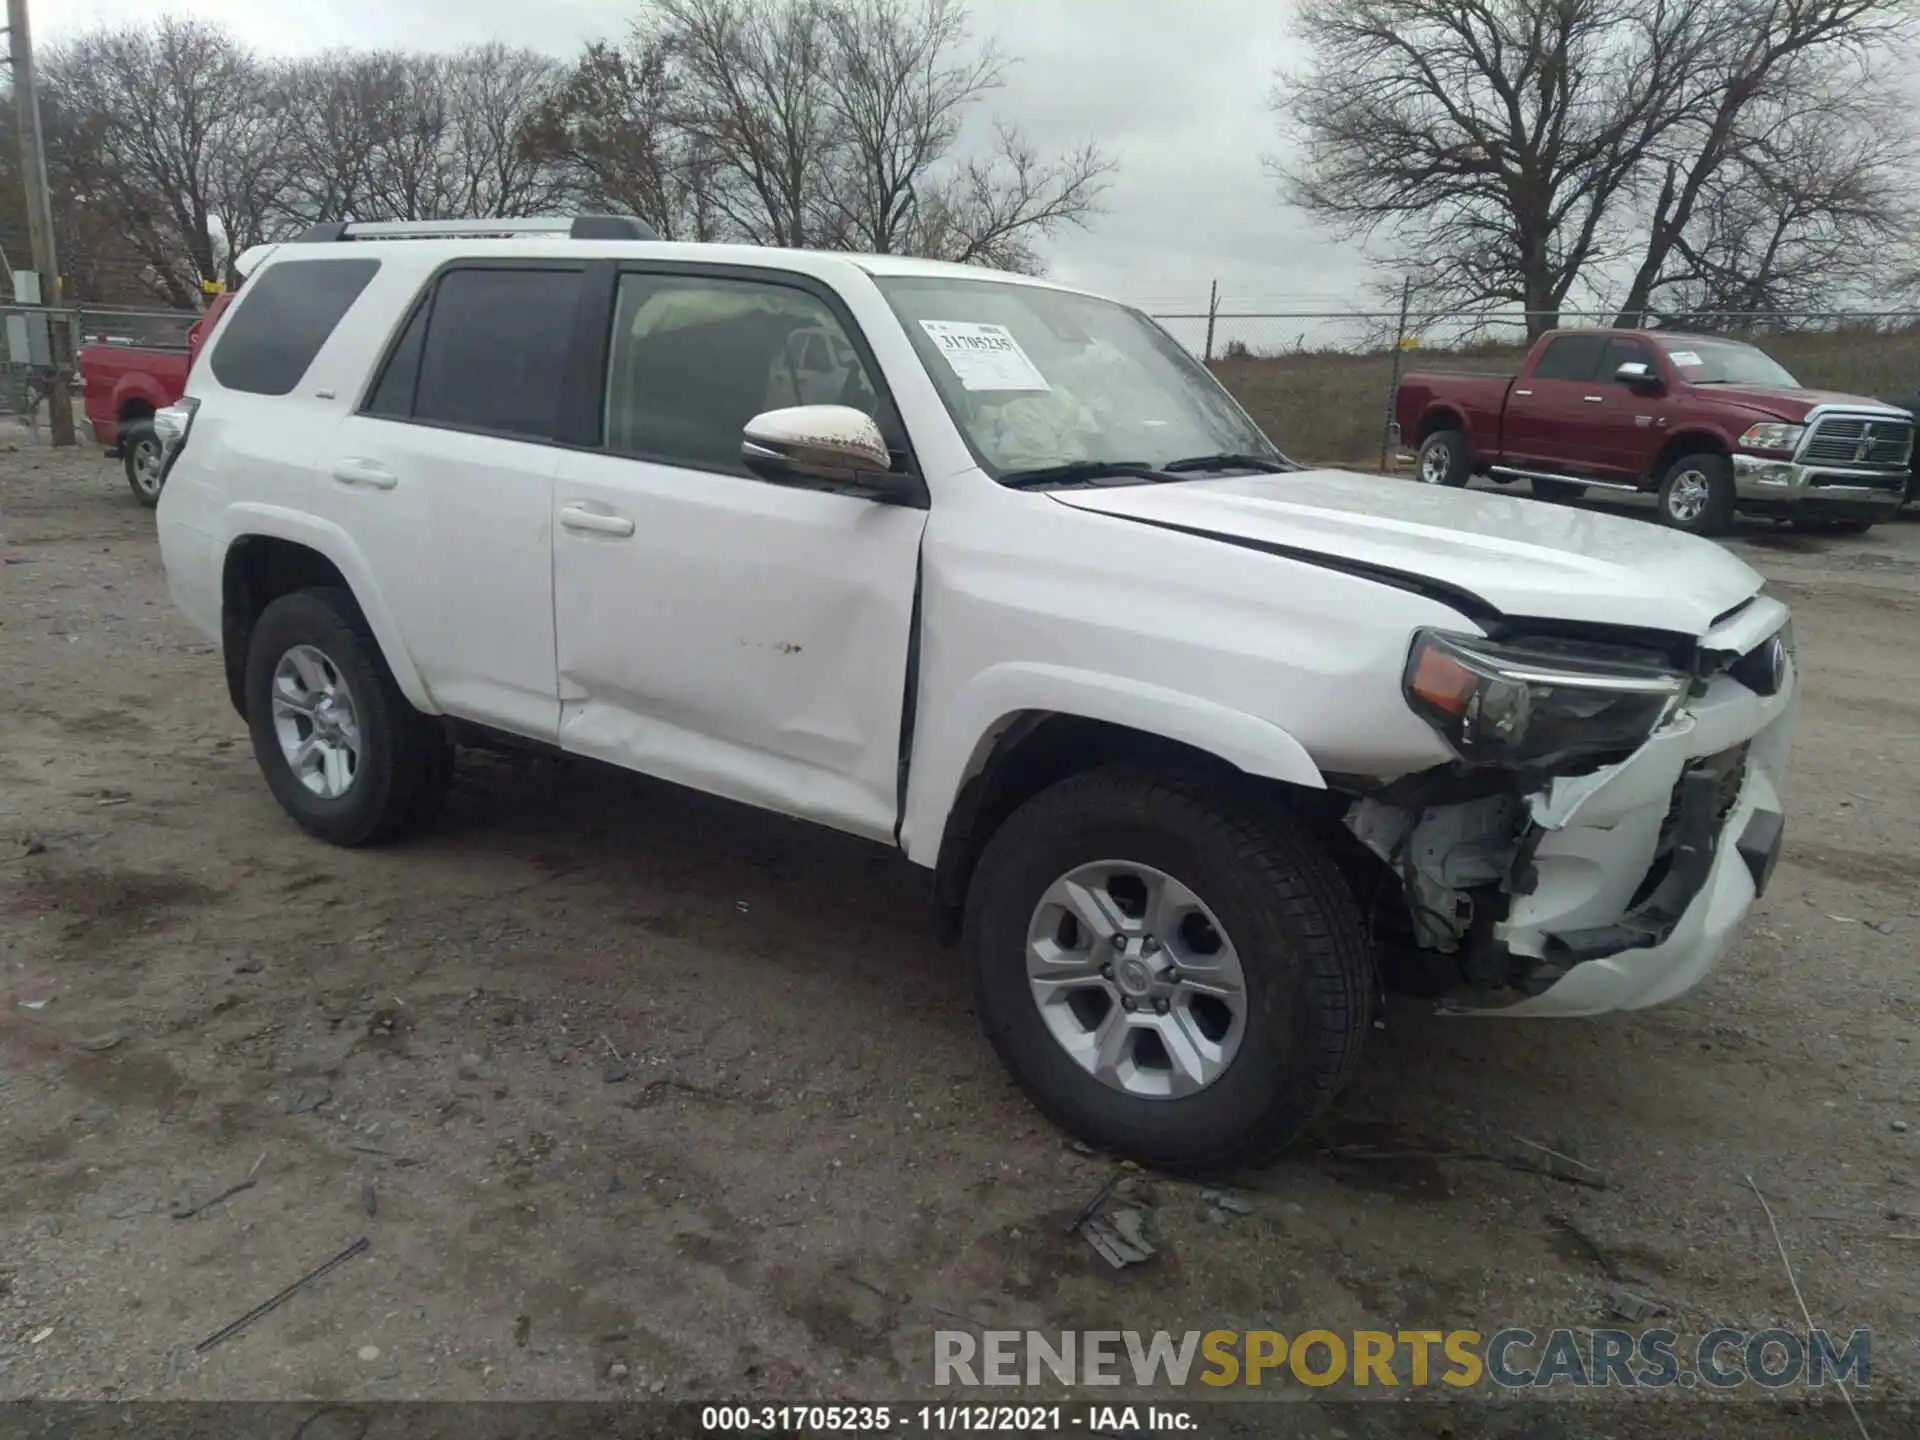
x: 1594, y: 399
x: 595, y: 522
x: 365, y: 472
x: 1523, y: 392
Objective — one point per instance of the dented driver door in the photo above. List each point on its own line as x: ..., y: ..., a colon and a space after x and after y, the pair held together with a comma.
x: 745, y: 638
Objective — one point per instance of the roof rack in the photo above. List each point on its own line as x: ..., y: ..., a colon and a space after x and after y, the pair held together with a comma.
x: 574, y: 227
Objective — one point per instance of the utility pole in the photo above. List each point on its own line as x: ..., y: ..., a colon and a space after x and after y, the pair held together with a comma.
x: 1387, y: 437
x: 1213, y: 313
x: 46, y: 257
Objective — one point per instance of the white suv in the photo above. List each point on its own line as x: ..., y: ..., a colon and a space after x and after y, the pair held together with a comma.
x: 1197, y: 745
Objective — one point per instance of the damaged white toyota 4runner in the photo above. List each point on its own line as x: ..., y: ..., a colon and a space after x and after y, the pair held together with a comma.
x: 1198, y: 745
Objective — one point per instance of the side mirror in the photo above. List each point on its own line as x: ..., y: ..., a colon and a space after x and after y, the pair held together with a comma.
x: 829, y: 446
x: 1637, y: 374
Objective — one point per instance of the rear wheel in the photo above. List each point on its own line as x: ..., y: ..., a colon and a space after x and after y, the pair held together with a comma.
x: 1173, y: 970
x: 1696, y: 494
x: 1560, y: 492
x: 1443, y: 458
x: 140, y: 456
x: 343, y: 752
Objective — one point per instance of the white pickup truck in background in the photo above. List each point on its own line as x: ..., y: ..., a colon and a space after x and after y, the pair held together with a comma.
x: 991, y: 571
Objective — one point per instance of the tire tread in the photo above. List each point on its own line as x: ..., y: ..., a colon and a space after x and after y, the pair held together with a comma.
x: 1299, y: 882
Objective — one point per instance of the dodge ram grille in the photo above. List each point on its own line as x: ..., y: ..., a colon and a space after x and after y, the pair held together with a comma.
x: 1856, y: 440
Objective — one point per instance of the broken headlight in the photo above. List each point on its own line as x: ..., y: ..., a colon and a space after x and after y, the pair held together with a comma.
x: 1519, y: 704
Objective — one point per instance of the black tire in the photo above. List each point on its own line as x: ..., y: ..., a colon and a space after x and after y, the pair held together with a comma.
x: 1683, y: 507
x: 1557, y: 492
x: 1443, y: 459
x: 1308, y: 971
x: 140, y: 458
x: 405, y: 760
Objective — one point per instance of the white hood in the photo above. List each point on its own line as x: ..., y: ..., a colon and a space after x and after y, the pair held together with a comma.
x: 1524, y: 557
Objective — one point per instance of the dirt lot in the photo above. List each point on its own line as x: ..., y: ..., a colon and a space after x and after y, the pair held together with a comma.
x: 804, y: 1159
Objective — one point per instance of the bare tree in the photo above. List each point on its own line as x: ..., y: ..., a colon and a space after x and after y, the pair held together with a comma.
x: 990, y: 210
x: 824, y: 123
x: 1512, y: 150
x: 179, y: 112
x: 1819, y: 203
x: 609, y: 126
x: 1782, y: 88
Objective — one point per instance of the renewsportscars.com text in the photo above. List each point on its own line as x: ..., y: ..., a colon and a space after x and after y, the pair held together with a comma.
x: 1511, y: 1359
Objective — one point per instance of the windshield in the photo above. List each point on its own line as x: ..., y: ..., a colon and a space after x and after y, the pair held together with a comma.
x: 1728, y: 362
x: 1037, y: 378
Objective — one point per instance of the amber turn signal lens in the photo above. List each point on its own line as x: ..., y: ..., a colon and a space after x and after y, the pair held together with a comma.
x: 1443, y: 682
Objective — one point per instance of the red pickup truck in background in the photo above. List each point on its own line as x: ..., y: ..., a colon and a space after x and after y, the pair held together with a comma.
x: 1710, y: 424
x: 124, y: 384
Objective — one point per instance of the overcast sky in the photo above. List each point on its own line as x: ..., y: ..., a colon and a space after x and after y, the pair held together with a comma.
x: 1175, y: 90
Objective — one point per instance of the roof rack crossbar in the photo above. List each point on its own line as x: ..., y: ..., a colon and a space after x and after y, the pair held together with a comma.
x: 577, y: 227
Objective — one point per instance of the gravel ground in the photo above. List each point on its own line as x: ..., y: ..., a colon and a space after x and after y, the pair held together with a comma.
x: 636, y: 1093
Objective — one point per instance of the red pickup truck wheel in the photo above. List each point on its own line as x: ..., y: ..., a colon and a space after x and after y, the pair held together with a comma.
x: 1696, y: 494
x: 1443, y: 459
x: 140, y: 453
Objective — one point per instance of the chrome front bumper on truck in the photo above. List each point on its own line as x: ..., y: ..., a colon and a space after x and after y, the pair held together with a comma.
x: 1758, y: 480
x: 1847, y: 460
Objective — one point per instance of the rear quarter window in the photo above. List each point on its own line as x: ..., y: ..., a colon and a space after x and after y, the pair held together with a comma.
x: 282, y: 318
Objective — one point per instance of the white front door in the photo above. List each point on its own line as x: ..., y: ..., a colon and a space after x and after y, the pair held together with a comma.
x: 745, y: 638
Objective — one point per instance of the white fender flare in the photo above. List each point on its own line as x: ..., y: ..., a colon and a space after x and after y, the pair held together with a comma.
x: 956, y: 743
x: 327, y: 539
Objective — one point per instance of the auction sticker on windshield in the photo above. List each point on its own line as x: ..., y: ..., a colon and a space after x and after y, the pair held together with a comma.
x: 1686, y: 359
x: 984, y: 357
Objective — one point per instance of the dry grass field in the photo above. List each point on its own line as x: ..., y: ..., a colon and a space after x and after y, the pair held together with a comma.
x: 1330, y: 406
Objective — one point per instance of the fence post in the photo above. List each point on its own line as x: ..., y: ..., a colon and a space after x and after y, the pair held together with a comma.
x: 1393, y: 384
x: 1213, y: 309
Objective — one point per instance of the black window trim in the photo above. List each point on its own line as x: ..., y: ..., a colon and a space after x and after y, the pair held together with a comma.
x: 424, y: 300
x: 892, y: 423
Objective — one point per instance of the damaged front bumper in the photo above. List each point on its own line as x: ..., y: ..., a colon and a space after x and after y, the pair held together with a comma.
x: 1608, y: 891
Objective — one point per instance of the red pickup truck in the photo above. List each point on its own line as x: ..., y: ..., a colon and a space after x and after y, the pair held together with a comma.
x: 124, y: 384
x: 1711, y: 425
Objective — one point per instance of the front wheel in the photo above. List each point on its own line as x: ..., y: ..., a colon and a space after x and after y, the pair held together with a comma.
x: 140, y: 456
x: 343, y: 752
x: 1173, y: 970
x: 1696, y: 494
x: 1443, y: 459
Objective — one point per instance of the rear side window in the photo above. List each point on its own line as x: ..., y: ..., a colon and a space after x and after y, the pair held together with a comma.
x: 1571, y: 357
x: 281, y: 321
x: 495, y: 352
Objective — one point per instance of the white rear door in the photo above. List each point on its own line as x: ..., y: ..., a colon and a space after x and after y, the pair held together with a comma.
x: 445, y: 479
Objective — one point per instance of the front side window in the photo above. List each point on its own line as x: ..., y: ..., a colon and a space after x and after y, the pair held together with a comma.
x: 1623, y: 352
x: 693, y: 359
x: 495, y: 352
x: 284, y: 316
x: 1036, y: 377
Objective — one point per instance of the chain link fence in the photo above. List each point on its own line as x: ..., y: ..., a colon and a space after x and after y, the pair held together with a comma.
x: 1321, y: 382
x: 28, y: 344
